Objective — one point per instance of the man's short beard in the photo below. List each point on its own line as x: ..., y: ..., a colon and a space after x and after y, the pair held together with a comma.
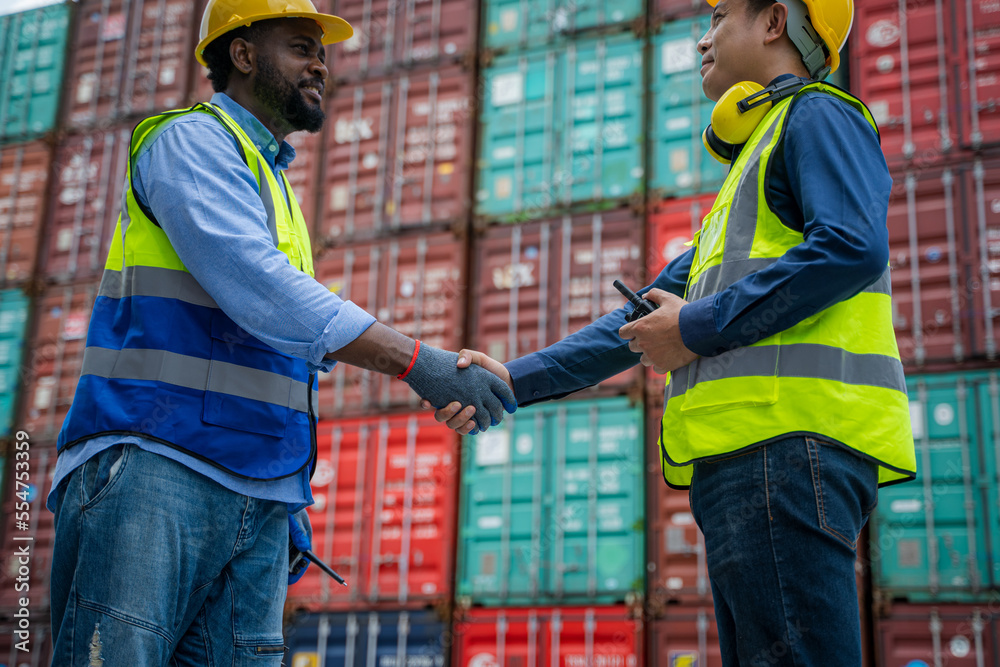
x: 285, y: 100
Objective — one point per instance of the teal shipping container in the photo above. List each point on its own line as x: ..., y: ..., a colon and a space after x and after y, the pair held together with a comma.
x: 520, y: 24
x: 551, y: 509
x: 561, y: 128
x: 937, y: 539
x: 13, y: 319
x: 32, y: 52
x: 679, y: 164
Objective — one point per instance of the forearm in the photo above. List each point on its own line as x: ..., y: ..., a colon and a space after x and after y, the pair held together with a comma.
x: 380, y: 349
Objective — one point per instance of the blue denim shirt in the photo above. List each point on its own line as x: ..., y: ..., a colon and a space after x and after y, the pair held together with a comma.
x: 206, y: 200
x: 830, y: 181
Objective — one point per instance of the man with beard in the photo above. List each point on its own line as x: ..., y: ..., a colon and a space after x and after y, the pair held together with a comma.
x: 186, y: 455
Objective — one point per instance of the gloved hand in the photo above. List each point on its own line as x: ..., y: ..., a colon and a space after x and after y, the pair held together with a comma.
x: 299, y: 540
x: 435, y: 377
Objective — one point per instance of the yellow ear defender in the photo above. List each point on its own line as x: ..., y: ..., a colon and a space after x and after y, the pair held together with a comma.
x: 740, y: 110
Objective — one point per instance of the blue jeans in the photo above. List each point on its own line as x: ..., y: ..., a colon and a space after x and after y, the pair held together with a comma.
x: 781, y: 525
x: 155, y: 564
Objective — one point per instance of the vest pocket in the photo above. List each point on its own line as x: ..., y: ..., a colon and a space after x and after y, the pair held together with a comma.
x: 742, y: 378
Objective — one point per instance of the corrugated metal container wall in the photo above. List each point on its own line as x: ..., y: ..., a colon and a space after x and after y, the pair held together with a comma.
x: 561, y: 127
x: 546, y: 637
x: 32, y: 53
x: 515, y: 24
x: 384, y: 516
x: 53, y: 367
x: 397, y: 154
x: 414, y: 284
x: 24, y: 174
x: 686, y: 637
x: 131, y: 57
x: 679, y: 163
x: 904, y: 71
x: 539, y: 282
x: 979, y: 61
x: 86, y: 192
x: 930, y: 540
x: 981, y: 207
x: 391, y: 35
x: 38, y: 533
x: 383, y: 639
x: 40, y: 644
x: 552, y: 506
x: 952, y: 635
x: 14, y: 306
x: 931, y: 311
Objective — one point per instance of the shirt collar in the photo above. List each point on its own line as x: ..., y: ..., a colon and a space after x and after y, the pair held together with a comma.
x: 279, y: 157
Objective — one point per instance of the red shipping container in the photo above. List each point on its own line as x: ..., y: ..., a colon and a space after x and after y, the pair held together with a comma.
x: 52, y: 368
x: 903, y: 69
x: 413, y: 284
x: 539, y: 282
x: 129, y: 59
x: 33, y: 528
x: 956, y: 636
x: 385, y: 511
x: 687, y: 636
x: 979, y: 71
x: 24, y: 174
x: 88, y: 179
x: 981, y: 192
x: 398, y: 154
x: 548, y: 637
x: 389, y: 35
x: 40, y: 644
x: 671, y: 10
x: 931, y: 312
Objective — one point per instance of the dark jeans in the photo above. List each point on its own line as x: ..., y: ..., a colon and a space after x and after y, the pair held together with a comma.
x: 781, y: 524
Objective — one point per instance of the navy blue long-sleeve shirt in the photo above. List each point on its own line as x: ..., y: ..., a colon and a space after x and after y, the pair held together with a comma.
x: 830, y: 181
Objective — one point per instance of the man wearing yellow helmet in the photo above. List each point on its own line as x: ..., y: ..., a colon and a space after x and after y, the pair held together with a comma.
x: 185, y: 459
x: 785, y: 404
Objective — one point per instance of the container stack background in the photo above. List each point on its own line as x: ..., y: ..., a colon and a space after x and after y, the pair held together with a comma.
x: 487, y: 169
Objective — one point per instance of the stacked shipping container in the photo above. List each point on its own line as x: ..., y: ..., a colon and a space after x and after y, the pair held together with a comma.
x: 507, y: 243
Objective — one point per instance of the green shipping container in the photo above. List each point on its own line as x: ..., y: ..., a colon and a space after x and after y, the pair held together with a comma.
x: 679, y: 164
x: 560, y: 128
x: 936, y: 539
x: 13, y: 319
x: 552, y: 506
x: 519, y: 24
x: 32, y: 52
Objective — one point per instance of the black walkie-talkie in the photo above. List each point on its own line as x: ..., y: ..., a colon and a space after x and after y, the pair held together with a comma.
x: 641, y: 307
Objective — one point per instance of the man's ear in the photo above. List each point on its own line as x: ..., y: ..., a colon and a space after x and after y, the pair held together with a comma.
x: 777, y: 19
x: 243, y: 55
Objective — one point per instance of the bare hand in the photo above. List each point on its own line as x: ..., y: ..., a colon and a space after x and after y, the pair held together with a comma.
x: 658, y: 335
x: 454, y: 415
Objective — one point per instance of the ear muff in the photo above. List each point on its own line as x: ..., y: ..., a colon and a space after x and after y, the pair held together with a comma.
x: 738, y: 113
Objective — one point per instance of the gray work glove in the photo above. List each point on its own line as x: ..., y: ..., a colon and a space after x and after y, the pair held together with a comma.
x: 435, y: 377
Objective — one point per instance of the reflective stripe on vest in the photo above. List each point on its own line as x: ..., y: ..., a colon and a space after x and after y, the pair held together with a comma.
x: 165, y: 362
x: 836, y: 375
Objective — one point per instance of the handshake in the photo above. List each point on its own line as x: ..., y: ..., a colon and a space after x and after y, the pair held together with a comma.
x: 446, y: 381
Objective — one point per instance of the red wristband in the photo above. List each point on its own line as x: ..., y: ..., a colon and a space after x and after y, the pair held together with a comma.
x: 416, y: 351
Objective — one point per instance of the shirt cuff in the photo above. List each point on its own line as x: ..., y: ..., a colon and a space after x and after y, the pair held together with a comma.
x: 698, y: 331
x: 350, y: 322
x: 531, y: 379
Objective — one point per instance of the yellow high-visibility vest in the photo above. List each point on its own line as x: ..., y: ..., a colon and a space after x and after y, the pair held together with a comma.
x: 835, y: 376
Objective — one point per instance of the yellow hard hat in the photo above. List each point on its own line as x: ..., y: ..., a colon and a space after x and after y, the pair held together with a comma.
x: 221, y: 16
x: 830, y: 19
